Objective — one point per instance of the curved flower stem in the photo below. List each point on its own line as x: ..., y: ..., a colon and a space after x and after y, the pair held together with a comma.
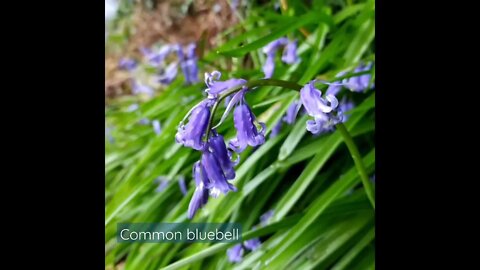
x: 358, y: 162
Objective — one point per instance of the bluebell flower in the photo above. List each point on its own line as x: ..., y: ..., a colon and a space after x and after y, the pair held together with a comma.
x: 156, y: 127
x: 322, y: 109
x: 191, y: 134
x: 276, y: 129
x: 168, y: 74
x: 344, y: 106
x: 265, y: 218
x: 156, y: 57
x: 359, y: 83
x: 235, y: 253
x: 188, y: 62
x: 200, y: 195
x: 292, y: 112
x: 182, y: 185
x: 219, y: 149
x: 138, y: 88
x: 108, y: 134
x: 127, y: 64
x: 133, y: 107
x: 252, y: 244
x: 244, y: 121
x: 144, y: 121
x: 162, y: 182
x: 290, y: 53
x: 216, y: 176
x: 270, y: 50
x: 335, y: 87
x: 215, y: 87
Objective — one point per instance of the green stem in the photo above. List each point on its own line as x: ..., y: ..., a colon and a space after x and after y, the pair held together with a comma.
x: 358, y: 162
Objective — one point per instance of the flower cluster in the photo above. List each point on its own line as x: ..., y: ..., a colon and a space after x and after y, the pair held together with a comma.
x: 235, y: 253
x: 214, y: 170
x: 289, y: 55
x: 354, y: 84
x: 186, y: 60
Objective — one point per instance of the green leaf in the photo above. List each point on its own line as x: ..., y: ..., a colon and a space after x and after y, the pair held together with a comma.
x: 279, y: 32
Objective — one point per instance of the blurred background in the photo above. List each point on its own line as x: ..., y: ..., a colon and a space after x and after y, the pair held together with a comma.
x: 300, y: 199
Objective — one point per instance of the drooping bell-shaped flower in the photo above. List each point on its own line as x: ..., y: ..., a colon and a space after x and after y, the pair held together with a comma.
x: 344, y: 106
x: 265, y: 218
x: 188, y: 62
x: 235, y: 253
x: 155, y: 57
x: 191, y: 134
x: 162, y: 182
x: 270, y: 50
x: 156, y: 127
x: 219, y: 149
x: 200, y: 195
x: 215, y: 87
x: 138, y: 88
x: 133, y: 107
x: 127, y: 64
x: 216, y: 177
x: 247, y: 132
x: 252, y: 244
x: 292, y: 112
x: 168, y: 74
x: 290, y: 53
x: 335, y: 87
x: 322, y: 109
x: 269, y: 67
x: 359, y: 83
x: 276, y: 129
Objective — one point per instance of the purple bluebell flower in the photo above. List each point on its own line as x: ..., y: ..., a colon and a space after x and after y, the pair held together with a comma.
x: 169, y: 74
x: 182, y: 185
x: 270, y: 49
x: 269, y: 67
x: 144, y: 121
x: 156, y: 57
x: 335, y: 87
x: 292, y: 112
x: 273, y: 46
x: 139, y: 88
x: 127, y: 64
x: 359, y: 83
x: 162, y: 182
x: 191, y: 134
x: 235, y: 253
x: 344, y: 106
x: 247, y: 132
x: 188, y: 62
x: 217, y: 180
x: 252, y: 244
x: 323, y: 110
x: 156, y: 127
x: 219, y: 149
x: 108, y: 134
x: 200, y: 196
x: 276, y: 129
x: 290, y: 53
x: 133, y: 107
x: 216, y: 87
x: 265, y: 218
